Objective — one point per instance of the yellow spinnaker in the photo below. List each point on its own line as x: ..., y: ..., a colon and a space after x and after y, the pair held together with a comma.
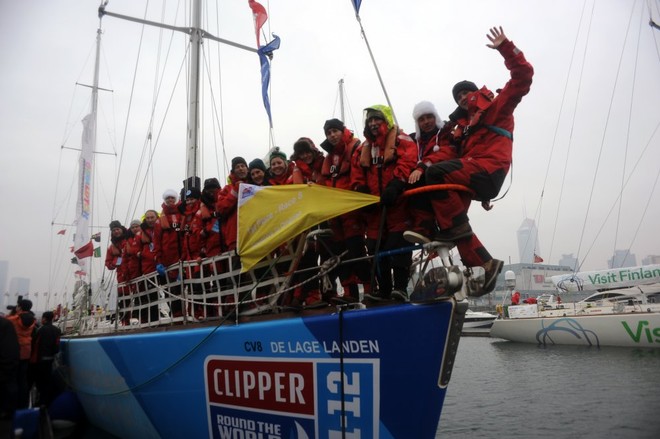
x: 270, y: 215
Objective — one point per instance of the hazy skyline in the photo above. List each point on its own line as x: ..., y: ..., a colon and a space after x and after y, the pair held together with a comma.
x: 588, y: 127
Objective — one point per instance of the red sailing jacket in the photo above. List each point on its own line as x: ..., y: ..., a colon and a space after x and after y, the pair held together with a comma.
x: 191, y: 232
x: 114, y: 259
x: 482, y: 138
x: 336, y: 169
x: 132, y: 248
x: 148, y: 252
x: 226, y: 204
x: 389, y: 156
x: 167, y: 240
x: 24, y: 323
x: 211, y: 238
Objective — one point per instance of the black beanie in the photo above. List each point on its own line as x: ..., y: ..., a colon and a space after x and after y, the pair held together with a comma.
x: 463, y: 85
x: 211, y: 183
x: 115, y: 224
x: 257, y: 164
x: 333, y: 123
x: 193, y: 192
x: 236, y: 160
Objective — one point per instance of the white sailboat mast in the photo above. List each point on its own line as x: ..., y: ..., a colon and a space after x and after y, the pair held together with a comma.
x: 192, y: 147
x: 88, y: 146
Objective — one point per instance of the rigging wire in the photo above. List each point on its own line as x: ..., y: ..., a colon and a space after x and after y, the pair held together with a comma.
x: 602, y: 143
x: 570, y: 138
x: 627, y: 145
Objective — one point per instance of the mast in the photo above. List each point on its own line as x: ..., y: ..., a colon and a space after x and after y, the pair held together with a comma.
x: 341, y: 99
x: 88, y: 146
x: 192, y: 146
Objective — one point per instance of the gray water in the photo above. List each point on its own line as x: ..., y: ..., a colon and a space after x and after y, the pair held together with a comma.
x: 501, y: 389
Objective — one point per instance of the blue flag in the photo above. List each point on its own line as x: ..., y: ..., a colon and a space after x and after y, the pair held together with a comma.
x: 265, y: 54
x: 356, y: 5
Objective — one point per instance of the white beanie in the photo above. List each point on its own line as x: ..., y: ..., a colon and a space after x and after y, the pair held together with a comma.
x: 422, y: 108
x: 170, y: 193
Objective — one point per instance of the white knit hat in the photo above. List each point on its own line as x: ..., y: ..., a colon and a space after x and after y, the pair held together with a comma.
x: 422, y: 108
x: 170, y: 193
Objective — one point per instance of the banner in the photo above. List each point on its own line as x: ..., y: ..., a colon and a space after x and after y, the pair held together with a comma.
x: 270, y: 215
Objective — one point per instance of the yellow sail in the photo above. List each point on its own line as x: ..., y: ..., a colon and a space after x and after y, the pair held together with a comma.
x: 270, y: 215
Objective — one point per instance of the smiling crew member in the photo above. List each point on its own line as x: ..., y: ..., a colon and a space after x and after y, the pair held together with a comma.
x: 479, y: 155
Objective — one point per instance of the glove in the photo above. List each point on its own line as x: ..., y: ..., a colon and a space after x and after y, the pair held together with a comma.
x: 362, y: 188
x: 391, y: 192
x: 160, y: 268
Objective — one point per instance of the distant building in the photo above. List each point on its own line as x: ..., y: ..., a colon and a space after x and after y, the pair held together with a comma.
x: 651, y: 260
x: 528, y: 241
x: 622, y: 258
x: 569, y: 261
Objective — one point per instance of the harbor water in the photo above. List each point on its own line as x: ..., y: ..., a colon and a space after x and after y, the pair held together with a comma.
x: 501, y: 389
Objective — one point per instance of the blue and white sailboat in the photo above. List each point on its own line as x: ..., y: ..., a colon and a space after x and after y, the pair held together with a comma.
x: 349, y: 371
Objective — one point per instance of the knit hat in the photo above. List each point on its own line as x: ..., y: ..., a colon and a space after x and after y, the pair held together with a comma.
x: 422, y: 108
x: 304, y: 144
x: 193, y: 192
x: 382, y: 112
x: 236, y: 160
x: 115, y: 224
x: 257, y: 164
x: 170, y: 193
x: 333, y: 123
x: 463, y: 85
x: 25, y: 304
x: 135, y: 223
x: 211, y: 183
x: 276, y: 152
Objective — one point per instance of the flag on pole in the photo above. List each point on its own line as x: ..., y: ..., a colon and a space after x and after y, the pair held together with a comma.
x: 537, y: 259
x: 80, y: 273
x: 74, y: 260
x: 97, y: 237
x: 356, y: 5
x: 265, y: 55
x: 260, y: 16
x: 97, y: 252
x: 61, y: 232
x: 85, y: 251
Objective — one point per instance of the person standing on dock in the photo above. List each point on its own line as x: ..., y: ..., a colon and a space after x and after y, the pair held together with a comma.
x: 479, y: 155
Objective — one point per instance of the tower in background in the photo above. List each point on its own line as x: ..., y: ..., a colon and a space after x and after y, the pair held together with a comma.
x: 528, y: 237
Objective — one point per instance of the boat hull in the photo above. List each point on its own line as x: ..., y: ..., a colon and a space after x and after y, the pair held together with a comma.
x: 280, y: 378
x: 641, y: 330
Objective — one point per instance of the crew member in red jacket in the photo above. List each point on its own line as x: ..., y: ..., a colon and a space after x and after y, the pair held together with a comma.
x: 114, y: 260
x: 479, y: 155
x: 148, y: 259
x: 226, y: 203
x: 387, y: 157
x: 280, y: 170
x: 429, y: 136
x: 348, y: 230
x: 307, y: 160
x: 168, y: 246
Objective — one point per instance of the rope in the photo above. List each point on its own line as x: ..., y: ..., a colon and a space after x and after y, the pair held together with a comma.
x: 438, y: 187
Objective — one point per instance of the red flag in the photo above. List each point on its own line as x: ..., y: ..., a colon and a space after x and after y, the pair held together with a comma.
x: 85, y: 251
x: 61, y: 232
x: 80, y: 273
x: 260, y: 16
x: 537, y: 259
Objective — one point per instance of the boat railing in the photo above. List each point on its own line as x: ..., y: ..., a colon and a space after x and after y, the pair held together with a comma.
x: 207, y: 289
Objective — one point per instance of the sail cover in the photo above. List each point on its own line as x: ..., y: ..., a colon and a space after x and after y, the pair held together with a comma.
x: 270, y: 215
